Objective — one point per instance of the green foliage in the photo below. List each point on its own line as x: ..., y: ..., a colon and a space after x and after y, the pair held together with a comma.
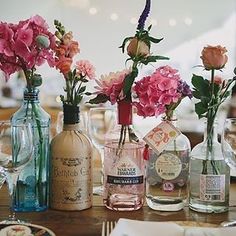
x: 128, y: 82
x: 100, y: 98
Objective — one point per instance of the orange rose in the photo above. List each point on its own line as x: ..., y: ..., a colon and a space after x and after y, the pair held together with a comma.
x: 64, y: 65
x: 137, y: 48
x: 213, y: 57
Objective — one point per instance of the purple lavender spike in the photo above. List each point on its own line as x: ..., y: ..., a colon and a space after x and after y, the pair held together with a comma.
x: 144, y: 15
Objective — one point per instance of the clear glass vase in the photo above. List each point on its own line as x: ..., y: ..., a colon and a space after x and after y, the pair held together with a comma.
x: 71, y: 165
x: 32, y: 188
x: 209, y: 176
x: 168, y: 175
x: 124, y: 166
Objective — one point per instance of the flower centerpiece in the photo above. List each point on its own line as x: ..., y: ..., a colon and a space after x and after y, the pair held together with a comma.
x: 71, y: 150
x: 124, y: 189
x: 207, y: 163
x: 23, y: 47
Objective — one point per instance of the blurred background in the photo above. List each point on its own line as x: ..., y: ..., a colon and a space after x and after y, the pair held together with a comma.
x: 101, y: 25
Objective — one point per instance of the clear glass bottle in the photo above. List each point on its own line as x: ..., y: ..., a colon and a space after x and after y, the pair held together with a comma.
x: 33, y: 183
x: 209, y: 177
x: 168, y: 175
x: 71, y: 165
x: 124, y: 166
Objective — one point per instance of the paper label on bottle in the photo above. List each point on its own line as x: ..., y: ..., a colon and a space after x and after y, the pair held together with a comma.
x: 161, y: 135
x: 125, y: 172
x: 71, y: 183
x: 212, y: 188
x: 168, y: 166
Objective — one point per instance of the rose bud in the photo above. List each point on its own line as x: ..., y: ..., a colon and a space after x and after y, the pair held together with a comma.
x: 218, y: 80
x: 213, y: 57
x: 137, y: 48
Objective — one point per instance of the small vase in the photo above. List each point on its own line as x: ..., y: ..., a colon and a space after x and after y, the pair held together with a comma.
x: 124, y: 167
x: 209, y: 176
x: 71, y: 165
x: 33, y: 183
x: 168, y: 174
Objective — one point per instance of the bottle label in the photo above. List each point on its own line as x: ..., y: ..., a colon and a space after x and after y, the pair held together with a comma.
x: 161, y: 135
x: 168, y: 166
x: 125, y: 172
x: 71, y: 183
x: 212, y: 188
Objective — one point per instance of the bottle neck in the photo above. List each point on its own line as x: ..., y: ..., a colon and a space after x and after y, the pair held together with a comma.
x: 71, y: 114
x: 172, y: 119
x: 210, y: 133
x: 31, y: 96
x: 70, y: 127
x: 125, y: 113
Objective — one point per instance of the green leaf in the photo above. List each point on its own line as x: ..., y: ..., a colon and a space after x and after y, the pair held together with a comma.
x: 200, y: 109
x: 128, y: 82
x: 124, y: 42
x: 149, y: 27
x: 82, y: 89
x: 100, y: 98
x: 83, y: 80
x: 149, y: 59
x: 78, y: 99
x: 154, y: 40
x: 201, y: 85
x: 205, y: 101
x: 88, y: 94
x: 196, y: 94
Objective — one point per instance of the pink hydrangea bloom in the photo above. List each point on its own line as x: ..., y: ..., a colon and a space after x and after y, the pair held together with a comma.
x: 85, y: 68
x: 111, y: 85
x: 157, y: 92
x: 19, y: 48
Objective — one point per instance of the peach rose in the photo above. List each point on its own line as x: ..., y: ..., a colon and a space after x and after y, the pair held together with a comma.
x: 64, y: 65
x: 137, y: 48
x: 213, y: 57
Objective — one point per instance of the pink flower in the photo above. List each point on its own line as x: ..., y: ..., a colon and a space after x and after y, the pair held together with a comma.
x: 111, y: 85
x: 25, y: 36
x: 157, y: 92
x: 85, y: 68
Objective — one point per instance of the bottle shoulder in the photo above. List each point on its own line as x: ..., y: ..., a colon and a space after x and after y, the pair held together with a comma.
x: 181, y: 142
x: 31, y: 112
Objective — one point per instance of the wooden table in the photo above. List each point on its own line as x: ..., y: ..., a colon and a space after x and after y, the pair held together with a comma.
x: 89, y: 222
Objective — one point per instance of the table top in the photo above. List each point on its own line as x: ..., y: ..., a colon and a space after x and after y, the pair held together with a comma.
x: 89, y: 222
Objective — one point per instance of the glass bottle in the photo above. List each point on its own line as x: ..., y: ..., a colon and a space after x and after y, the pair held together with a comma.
x: 33, y: 183
x: 71, y: 165
x: 168, y: 174
x: 209, y: 176
x: 124, y: 167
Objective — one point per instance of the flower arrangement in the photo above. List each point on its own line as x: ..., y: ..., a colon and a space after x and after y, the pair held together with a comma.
x: 211, y: 93
x: 118, y: 86
x: 160, y: 92
x: 66, y: 49
x: 24, y: 46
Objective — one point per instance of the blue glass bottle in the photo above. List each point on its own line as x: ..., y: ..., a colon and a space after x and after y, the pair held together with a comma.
x: 32, y: 190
